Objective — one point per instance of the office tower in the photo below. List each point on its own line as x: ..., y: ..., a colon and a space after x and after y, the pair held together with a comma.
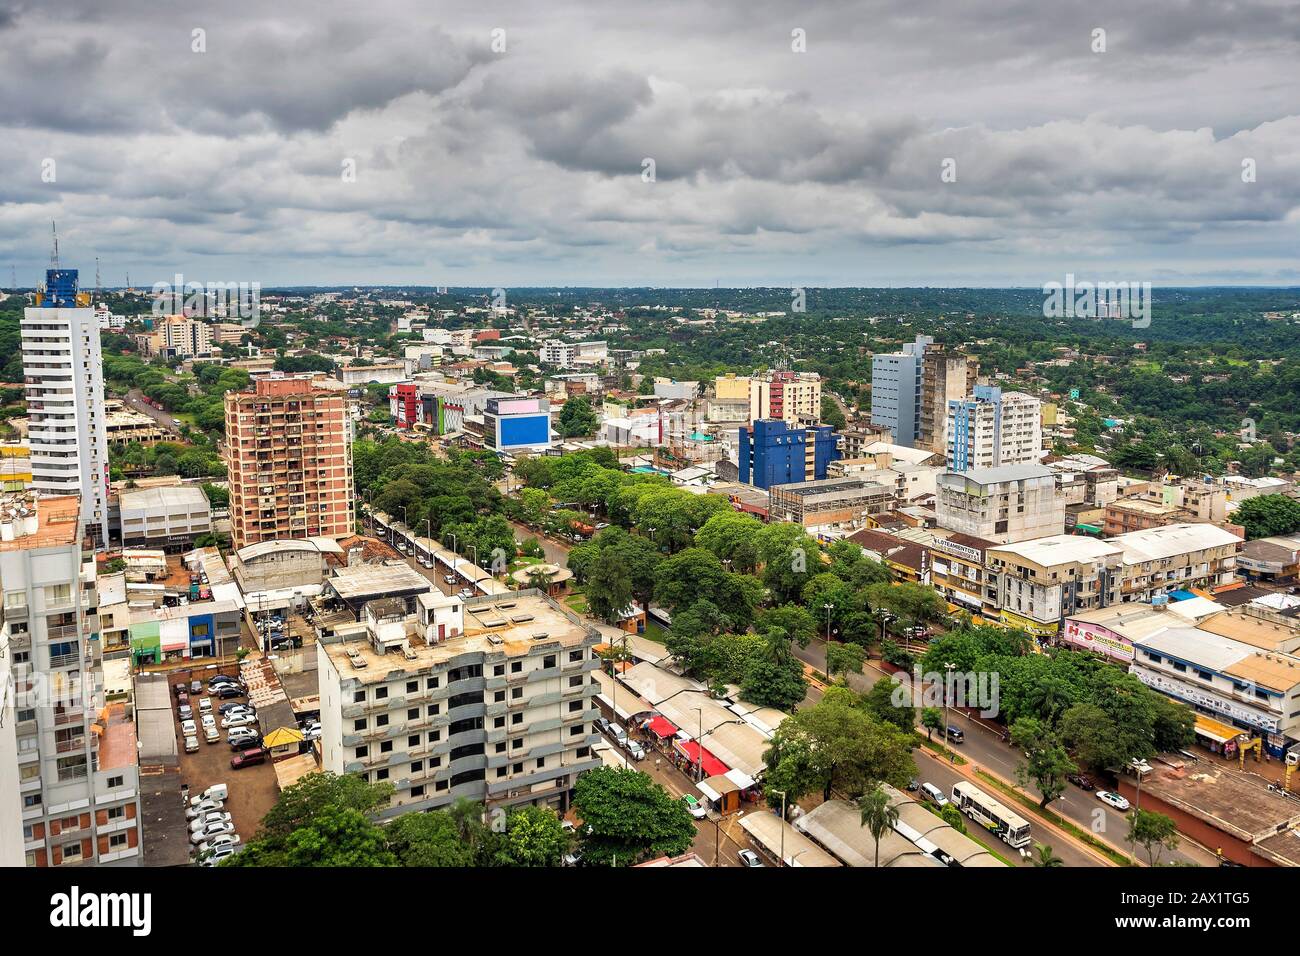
x: 66, y: 760
x: 787, y: 396
x: 771, y: 452
x: 65, y: 398
x: 945, y: 377
x: 290, y: 461
x: 896, y: 391
x: 175, y: 336
x: 992, y: 429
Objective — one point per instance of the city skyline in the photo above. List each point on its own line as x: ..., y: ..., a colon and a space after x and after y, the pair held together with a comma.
x: 479, y: 158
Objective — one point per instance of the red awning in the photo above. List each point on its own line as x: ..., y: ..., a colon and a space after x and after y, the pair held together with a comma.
x: 712, y: 765
x: 661, y: 727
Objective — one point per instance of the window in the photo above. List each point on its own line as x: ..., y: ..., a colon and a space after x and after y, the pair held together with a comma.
x: 501, y: 772
x: 517, y: 743
x: 517, y: 768
x: 435, y: 736
x: 381, y: 693
x: 381, y: 720
x: 413, y: 713
x: 516, y: 693
x: 417, y: 791
x: 516, y: 718
x: 497, y: 698
x: 516, y: 667
x: 575, y: 681
x: 417, y: 766
x: 541, y: 762
x: 115, y: 782
x: 440, y: 786
x: 431, y: 683
x: 386, y: 747
x: 498, y: 670
x: 71, y: 852
x: 434, y: 710
x: 501, y: 747
x: 359, y: 697
x: 117, y: 841
x: 413, y: 740
x: 412, y: 686
x: 575, y: 656
x: 359, y: 724
x: 577, y: 730
x: 381, y: 774
x: 498, y: 722
x: 575, y: 705
x: 363, y: 752
x: 548, y: 661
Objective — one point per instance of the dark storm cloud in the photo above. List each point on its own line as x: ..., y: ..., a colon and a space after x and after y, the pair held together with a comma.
x: 473, y: 162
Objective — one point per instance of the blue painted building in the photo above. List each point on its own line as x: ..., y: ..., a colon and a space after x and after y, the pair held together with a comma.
x: 771, y: 452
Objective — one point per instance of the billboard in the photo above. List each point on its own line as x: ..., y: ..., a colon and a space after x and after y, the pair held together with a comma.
x: 524, y: 431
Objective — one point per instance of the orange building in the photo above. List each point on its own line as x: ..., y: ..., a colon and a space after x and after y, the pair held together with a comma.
x: 287, y: 450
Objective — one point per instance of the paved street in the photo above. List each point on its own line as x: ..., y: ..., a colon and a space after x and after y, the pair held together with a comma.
x: 134, y: 399
x: 984, y: 749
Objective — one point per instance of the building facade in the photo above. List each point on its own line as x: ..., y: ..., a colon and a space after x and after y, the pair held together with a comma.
x: 770, y: 452
x: 64, y: 376
x: 993, y: 428
x: 73, y: 759
x: 788, y: 396
x: 1003, y: 505
x: 289, y: 457
x: 945, y: 377
x: 517, y: 424
x: 896, y: 390
x: 830, y: 502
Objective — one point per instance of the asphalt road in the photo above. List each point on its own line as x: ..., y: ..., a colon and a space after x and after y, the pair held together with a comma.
x: 134, y: 399
x: 984, y: 749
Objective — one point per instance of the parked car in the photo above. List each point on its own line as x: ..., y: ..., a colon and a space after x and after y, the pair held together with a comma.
x: 217, y: 842
x: 449, y: 579
x: 248, y: 758
x: 191, y: 745
x: 635, y: 750
x: 956, y: 735
x: 602, y: 724
x: 619, y: 734
x: 182, y: 699
x: 245, y: 743
x: 696, y: 809
x: 227, y: 691
x: 218, y: 791
x: 242, y: 733
x: 196, y: 686
x: 465, y: 594
x: 219, y: 854
x: 1082, y: 781
x: 212, y: 816
x: 185, y: 711
x: 210, y: 734
x: 209, y: 805
x: 234, y: 707
x: 205, y: 705
x: 1113, y: 799
x: 913, y: 785
x: 573, y: 857
x: 178, y: 689
x: 238, y: 720
x: 189, y: 729
x: 936, y: 796
x: 210, y: 831
x: 222, y: 679
x: 749, y: 858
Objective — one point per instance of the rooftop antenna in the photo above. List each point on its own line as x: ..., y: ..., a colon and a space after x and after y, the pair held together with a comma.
x: 54, y: 253
x: 96, y: 279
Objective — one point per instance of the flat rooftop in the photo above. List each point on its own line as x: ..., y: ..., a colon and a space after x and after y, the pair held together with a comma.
x: 511, y: 624
x: 57, y: 520
x: 1238, y: 803
x: 387, y: 577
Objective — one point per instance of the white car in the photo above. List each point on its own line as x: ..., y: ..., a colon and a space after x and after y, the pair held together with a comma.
x: 239, y: 720
x: 210, y: 831
x: 219, y: 854
x: 189, y: 728
x: 217, y: 842
x: 465, y: 594
x: 235, y: 733
x: 208, y: 819
x: 204, y: 807
x: 1113, y: 800
x: 207, y: 720
x: 205, y: 705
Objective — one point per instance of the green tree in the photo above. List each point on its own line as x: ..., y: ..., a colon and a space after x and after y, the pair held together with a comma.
x: 877, y: 814
x: 534, y: 836
x: 931, y: 720
x: 844, y: 659
x: 428, y: 839
x: 1266, y: 515
x: 609, y: 587
x: 1047, y: 763
x: 628, y: 818
x: 300, y: 802
x: 1153, y: 832
x: 1044, y: 857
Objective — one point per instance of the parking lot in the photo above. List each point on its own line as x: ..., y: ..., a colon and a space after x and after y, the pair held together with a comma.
x: 253, y: 790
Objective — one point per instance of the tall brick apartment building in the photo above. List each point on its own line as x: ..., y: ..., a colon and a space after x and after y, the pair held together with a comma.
x: 290, y: 464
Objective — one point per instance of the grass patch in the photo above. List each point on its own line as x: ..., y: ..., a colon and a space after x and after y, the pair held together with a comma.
x: 577, y: 602
x: 1069, y: 826
x: 653, y: 632
x: 946, y: 753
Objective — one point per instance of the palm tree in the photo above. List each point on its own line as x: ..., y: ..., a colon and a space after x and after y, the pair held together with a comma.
x: 539, y: 577
x: 1045, y: 857
x: 878, y: 815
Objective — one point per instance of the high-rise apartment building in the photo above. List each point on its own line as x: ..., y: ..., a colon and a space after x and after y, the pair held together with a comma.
x: 788, y: 396
x: 176, y: 336
x: 992, y: 429
x: 945, y: 377
x: 489, y: 699
x: 289, y: 456
x: 65, y: 398
x: 896, y: 390
x: 67, y: 762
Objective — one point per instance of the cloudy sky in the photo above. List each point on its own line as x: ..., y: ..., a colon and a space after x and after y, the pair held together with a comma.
x: 476, y: 165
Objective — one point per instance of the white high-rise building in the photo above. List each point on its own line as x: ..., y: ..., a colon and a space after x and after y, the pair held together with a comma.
x: 993, y: 429
x: 896, y: 390
x: 64, y: 373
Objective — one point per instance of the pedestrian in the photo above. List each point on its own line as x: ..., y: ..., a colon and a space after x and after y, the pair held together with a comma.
x: 952, y: 758
x: 656, y: 764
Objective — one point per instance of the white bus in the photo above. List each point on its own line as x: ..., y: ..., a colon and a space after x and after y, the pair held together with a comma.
x: 993, y: 816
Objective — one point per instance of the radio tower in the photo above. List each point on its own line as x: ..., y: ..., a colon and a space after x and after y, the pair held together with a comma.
x: 96, y: 299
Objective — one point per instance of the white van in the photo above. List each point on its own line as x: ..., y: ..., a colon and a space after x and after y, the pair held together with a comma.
x: 934, y: 795
x: 619, y: 734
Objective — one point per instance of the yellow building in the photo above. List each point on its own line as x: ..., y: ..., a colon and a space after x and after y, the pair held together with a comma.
x: 731, y: 386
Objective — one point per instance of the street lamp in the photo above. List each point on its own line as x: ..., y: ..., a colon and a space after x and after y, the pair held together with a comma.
x: 699, y: 746
x: 828, y: 607
x: 949, y: 667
